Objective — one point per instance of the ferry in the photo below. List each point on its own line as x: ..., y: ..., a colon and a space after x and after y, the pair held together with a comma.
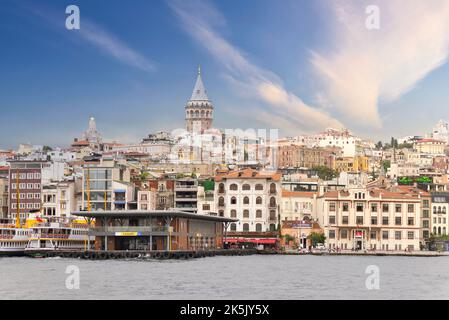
x: 59, y: 234
x: 13, y: 239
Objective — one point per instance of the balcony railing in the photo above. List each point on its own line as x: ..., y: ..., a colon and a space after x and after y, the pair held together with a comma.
x: 131, y: 229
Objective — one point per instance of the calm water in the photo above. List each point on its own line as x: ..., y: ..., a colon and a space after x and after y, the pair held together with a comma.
x: 241, y: 277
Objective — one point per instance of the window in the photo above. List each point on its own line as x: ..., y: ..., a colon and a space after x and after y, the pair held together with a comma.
x: 373, y: 235
x: 398, y: 221
x: 345, y: 207
x: 272, y: 202
x: 425, y: 213
x: 331, y: 219
x: 273, y: 188
x: 259, y: 187
x: 246, y: 227
x: 206, y: 206
x: 233, y: 200
x: 221, y: 188
x: 246, y: 214
x: 373, y: 207
x: 259, y: 200
x: 385, y: 207
x: 359, y: 207
x: 331, y: 234
x: 410, y: 208
x: 144, y: 197
x: 410, y: 235
x: 397, y: 235
x: 233, y: 187
x: 221, y: 201
x: 233, y: 214
x: 258, y: 227
x: 246, y: 187
x: 344, y: 234
x: 398, y: 208
x: 373, y: 220
x: 359, y: 220
x: 272, y: 215
x: 143, y: 207
x: 385, y: 235
x: 425, y: 224
x: 385, y: 221
x: 272, y: 227
x: 233, y: 227
x: 245, y: 200
x: 345, y: 219
x: 410, y: 221
x: 258, y: 213
x: 332, y: 207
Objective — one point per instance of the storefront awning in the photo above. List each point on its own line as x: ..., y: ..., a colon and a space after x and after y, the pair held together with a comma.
x: 256, y: 241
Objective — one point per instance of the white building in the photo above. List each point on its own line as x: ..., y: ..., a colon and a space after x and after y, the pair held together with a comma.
x: 298, y: 205
x: 251, y: 196
x: 371, y: 219
x: 441, y: 131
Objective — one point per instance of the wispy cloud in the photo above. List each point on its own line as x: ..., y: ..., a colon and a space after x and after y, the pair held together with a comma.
x: 287, y: 111
x: 95, y: 36
x: 367, y: 67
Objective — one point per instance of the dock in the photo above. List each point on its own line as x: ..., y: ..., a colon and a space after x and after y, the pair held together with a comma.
x: 143, y: 255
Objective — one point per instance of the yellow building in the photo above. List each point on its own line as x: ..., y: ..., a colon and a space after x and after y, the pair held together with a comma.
x: 430, y: 146
x: 351, y: 164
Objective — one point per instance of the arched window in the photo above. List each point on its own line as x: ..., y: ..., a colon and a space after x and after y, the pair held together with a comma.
x: 233, y: 200
x: 259, y: 200
x: 272, y: 215
x: 233, y: 187
x: 444, y: 209
x: 272, y: 227
x: 202, y: 113
x: 434, y: 229
x: 221, y: 213
x: 258, y: 213
x: 245, y: 200
x: 258, y: 227
x: 245, y: 213
x: 233, y: 214
x: 221, y: 202
x: 272, y: 202
x: 233, y: 227
x: 246, y: 227
x: 221, y: 188
x: 434, y: 209
x: 197, y: 114
x: 273, y: 188
x: 259, y: 187
x: 246, y: 187
x: 439, y: 230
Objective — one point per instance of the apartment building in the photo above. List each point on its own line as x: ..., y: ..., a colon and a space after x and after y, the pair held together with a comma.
x: 251, y: 196
x: 25, y: 185
x: 440, y: 210
x: 186, y: 195
x: 298, y: 205
x: 361, y: 219
x: 4, y: 196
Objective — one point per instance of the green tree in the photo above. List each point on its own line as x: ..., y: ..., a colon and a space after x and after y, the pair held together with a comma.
x: 386, y: 164
x: 46, y: 149
x: 325, y: 173
x: 379, y: 145
x: 316, y: 237
x: 143, y: 176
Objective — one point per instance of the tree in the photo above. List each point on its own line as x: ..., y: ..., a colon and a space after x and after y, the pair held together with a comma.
x: 288, y: 238
x: 325, y: 173
x: 144, y: 176
x: 386, y: 164
x: 316, y: 237
x: 46, y: 149
x: 379, y: 145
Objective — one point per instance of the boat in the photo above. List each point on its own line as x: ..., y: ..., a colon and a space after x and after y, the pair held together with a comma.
x: 59, y: 234
x: 13, y: 239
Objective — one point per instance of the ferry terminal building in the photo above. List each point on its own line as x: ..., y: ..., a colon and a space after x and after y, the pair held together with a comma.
x: 167, y: 230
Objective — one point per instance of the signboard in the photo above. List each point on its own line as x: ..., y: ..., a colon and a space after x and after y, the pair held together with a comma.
x: 358, y: 234
x: 128, y: 234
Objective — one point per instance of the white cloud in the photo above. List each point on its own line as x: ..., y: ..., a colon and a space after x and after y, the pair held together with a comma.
x: 368, y: 67
x: 114, y: 47
x: 200, y: 21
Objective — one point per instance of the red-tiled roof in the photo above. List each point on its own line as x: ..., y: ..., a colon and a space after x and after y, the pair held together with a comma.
x: 299, y: 194
x: 248, y: 174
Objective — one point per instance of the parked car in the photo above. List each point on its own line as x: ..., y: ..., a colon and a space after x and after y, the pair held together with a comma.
x: 320, y: 246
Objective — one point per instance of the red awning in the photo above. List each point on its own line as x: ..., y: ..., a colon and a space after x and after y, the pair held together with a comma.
x: 257, y: 241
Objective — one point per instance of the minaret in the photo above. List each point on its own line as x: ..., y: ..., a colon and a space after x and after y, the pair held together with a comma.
x: 199, y: 109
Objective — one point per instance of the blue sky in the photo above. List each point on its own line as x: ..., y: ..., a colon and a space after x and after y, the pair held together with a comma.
x: 299, y: 66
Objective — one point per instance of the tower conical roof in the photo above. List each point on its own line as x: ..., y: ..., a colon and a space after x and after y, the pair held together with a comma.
x: 199, y: 92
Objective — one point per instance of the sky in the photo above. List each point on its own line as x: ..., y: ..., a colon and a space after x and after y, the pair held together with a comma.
x: 296, y: 66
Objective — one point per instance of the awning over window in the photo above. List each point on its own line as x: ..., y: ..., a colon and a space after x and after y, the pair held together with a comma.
x: 256, y: 241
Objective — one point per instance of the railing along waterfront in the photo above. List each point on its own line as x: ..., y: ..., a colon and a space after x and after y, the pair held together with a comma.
x: 131, y: 229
